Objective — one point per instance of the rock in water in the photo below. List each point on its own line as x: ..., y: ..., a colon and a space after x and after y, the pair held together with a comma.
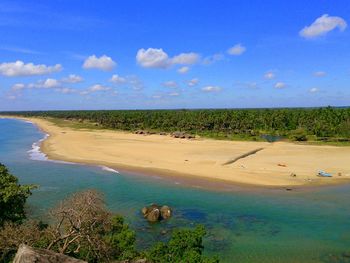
x: 153, y: 215
x: 27, y: 254
x: 165, y: 212
x: 144, y: 210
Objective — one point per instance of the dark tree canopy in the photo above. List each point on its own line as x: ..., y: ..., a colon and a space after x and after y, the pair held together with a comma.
x: 295, y: 123
x: 12, y: 197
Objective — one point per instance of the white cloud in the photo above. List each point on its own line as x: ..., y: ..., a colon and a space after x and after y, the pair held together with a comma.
x: 236, y: 50
x: 185, y: 58
x: 45, y: 84
x: 280, y: 85
x: 103, y: 63
x: 135, y: 83
x: 98, y: 87
x: 170, y: 84
x: 51, y: 83
x: 193, y: 82
x: 211, y: 89
x: 20, y: 50
x: 214, y: 58
x: 320, y: 74
x: 183, y: 70
x: 95, y: 88
x: 19, y: 68
x: 174, y: 94
x: 157, y: 58
x: 323, y: 25
x: 66, y: 90
x: 269, y: 75
x: 18, y: 87
x: 116, y: 79
x: 72, y: 78
x: 152, y: 58
x: 313, y: 90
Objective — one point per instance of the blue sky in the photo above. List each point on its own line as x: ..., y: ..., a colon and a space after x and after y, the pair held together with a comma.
x: 70, y: 54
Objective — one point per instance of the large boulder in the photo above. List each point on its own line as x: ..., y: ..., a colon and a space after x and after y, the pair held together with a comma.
x: 165, y: 212
x: 155, y: 213
x: 27, y: 254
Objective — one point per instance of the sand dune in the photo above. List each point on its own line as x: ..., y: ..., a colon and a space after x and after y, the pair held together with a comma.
x: 271, y: 166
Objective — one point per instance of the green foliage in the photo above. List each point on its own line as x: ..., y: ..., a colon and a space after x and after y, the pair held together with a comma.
x: 122, y: 239
x: 85, y: 230
x: 12, y: 197
x: 298, y: 135
x: 185, y: 245
x: 220, y: 123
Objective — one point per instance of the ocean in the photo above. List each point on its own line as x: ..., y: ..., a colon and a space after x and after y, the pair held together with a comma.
x: 242, y: 226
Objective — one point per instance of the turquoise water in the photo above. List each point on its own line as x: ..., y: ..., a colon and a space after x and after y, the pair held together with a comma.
x: 243, y: 226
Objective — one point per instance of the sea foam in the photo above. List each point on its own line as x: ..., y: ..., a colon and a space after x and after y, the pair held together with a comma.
x: 108, y: 169
x: 35, y: 153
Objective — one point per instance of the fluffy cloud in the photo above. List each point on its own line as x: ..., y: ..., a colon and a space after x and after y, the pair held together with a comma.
x: 45, y: 84
x: 18, y: 87
x: 320, y: 74
x: 323, y: 25
x: 269, y: 75
x: 193, y: 82
x: 313, y: 90
x: 19, y: 68
x: 183, y: 70
x: 170, y: 84
x: 211, y: 89
x: 185, y: 58
x: 72, y: 78
x: 52, y: 84
x: 280, y: 85
x: 95, y: 88
x: 116, y: 79
x: 103, y: 63
x: 157, y: 58
x: 236, y: 50
x: 152, y: 58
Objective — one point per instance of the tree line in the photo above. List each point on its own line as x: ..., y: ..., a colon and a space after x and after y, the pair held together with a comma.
x: 293, y: 123
x: 82, y: 227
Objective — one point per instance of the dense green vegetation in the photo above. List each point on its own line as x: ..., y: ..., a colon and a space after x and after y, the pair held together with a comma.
x: 12, y: 197
x: 82, y: 227
x: 300, y: 124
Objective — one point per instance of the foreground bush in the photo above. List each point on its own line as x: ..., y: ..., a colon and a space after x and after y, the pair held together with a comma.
x: 83, y: 228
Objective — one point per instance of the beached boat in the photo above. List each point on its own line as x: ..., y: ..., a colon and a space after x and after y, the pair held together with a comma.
x: 324, y: 174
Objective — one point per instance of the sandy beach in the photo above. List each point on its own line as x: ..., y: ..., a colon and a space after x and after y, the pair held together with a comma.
x: 271, y: 165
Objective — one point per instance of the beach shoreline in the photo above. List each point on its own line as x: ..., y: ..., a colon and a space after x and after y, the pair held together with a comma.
x: 197, y: 162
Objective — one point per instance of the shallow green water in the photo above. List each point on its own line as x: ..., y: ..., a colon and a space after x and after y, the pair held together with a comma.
x: 243, y: 226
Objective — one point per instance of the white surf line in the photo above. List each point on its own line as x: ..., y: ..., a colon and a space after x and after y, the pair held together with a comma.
x: 37, y: 155
x: 108, y: 169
